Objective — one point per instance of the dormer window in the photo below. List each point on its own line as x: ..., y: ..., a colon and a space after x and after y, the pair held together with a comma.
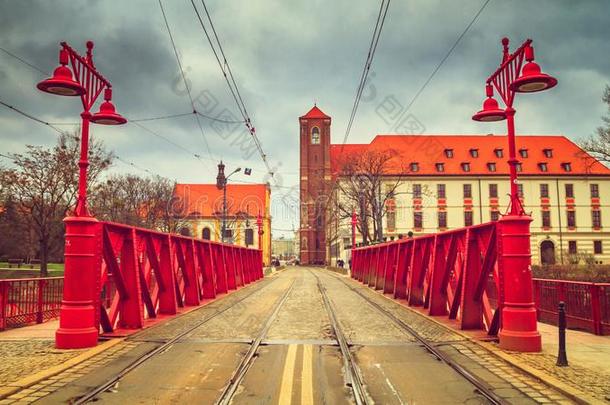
x: 543, y: 167
x: 466, y: 166
x: 449, y: 153
x: 499, y: 152
x: 523, y: 153
x: 414, y: 166
x: 519, y: 167
x: 474, y: 153
x: 491, y: 166
x: 548, y: 152
x: 566, y: 166
x: 440, y: 167
x: 315, y: 136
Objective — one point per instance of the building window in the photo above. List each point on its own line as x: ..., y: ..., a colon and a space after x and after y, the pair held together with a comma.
x: 440, y: 167
x: 467, y: 218
x: 416, y: 190
x: 467, y: 191
x: 566, y: 166
x: 519, y: 167
x: 315, y: 135
x: 442, y: 219
x: 543, y: 167
x: 494, y: 215
x: 449, y: 153
x: 441, y: 191
x: 491, y: 166
x: 249, y: 236
x: 499, y: 152
x: 493, y: 191
x: 466, y: 166
x: 572, y: 247
x: 206, y: 233
x: 548, y: 152
x: 594, y: 190
x: 571, y: 219
x: 598, y: 247
x: 391, y: 221
x: 596, y: 216
x: 546, y: 219
x: 418, y: 220
x: 474, y: 153
x: 414, y: 166
x: 570, y: 190
x: 544, y: 191
x: 523, y: 153
x: 520, y: 190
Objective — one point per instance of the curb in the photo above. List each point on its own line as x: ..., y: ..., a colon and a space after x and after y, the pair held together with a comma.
x: 567, y: 390
x: 16, y: 386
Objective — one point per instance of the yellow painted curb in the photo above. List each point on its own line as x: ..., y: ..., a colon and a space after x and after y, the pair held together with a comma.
x: 569, y: 391
x: 30, y: 380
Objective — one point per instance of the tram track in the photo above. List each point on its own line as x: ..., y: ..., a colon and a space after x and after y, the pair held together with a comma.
x: 480, y: 385
x: 112, y: 381
x: 354, y: 377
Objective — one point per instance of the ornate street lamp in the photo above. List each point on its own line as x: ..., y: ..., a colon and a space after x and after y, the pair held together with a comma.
x: 510, y: 78
x: 78, y: 318
x: 87, y: 83
x: 518, y: 330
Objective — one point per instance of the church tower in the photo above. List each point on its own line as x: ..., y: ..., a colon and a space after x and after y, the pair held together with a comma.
x: 315, y: 184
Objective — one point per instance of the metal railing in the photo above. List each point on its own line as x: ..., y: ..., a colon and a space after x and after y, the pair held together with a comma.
x: 587, y: 305
x: 29, y: 300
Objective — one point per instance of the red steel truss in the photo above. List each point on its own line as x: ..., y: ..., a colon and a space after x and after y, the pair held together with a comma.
x: 133, y: 276
x: 451, y: 274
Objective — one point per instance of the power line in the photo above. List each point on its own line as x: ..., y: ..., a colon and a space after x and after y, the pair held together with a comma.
x: 188, y: 90
x: 32, y: 117
x: 383, y: 10
x: 24, y: 61
x: 442, y: 61
x: 230, y: 80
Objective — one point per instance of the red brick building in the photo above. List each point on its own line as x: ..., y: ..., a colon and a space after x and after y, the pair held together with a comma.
x: 315, y: 184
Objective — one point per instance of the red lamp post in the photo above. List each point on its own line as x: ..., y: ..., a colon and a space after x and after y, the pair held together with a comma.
x: 79, y: 319
x: 518, y: 328
x: 259, y: 224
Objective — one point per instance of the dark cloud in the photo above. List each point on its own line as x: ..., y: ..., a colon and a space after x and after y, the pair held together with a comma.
x: 288, y: 54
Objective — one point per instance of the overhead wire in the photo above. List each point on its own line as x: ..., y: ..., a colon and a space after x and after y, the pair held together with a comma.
x: 186, y: 85
x: 230, y: 80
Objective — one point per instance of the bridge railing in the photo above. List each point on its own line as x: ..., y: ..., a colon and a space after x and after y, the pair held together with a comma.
x: 587, y: 304
x: 31, y: 300
x: 479, y: 276
x: 121, y: 278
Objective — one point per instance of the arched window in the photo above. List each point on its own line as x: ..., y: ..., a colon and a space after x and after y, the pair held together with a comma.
x: 185, y: 231
x: 315, y: 135
x: 205, y: 234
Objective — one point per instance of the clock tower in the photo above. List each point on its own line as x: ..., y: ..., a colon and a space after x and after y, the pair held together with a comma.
x: 315, y: 184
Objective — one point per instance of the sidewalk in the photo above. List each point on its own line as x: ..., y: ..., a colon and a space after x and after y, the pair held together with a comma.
x: 588, y: 357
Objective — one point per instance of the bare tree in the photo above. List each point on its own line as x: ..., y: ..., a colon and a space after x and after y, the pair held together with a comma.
x: 365, y: 186
x: 135, y: 200
x: 599, y: 145
x: 43, y: 183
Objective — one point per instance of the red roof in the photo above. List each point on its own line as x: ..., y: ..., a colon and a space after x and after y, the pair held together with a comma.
x: 558, y: 154
x: 314, y: 113
x: 206, y: 200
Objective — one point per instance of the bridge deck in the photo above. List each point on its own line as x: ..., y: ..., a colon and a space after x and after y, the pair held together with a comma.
x: 280, y: 341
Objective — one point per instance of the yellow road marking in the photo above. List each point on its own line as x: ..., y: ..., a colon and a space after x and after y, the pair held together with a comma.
x: 288, y: 375
x: 307, y: 376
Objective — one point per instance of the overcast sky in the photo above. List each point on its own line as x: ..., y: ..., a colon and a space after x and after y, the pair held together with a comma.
x: 286, y: 55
